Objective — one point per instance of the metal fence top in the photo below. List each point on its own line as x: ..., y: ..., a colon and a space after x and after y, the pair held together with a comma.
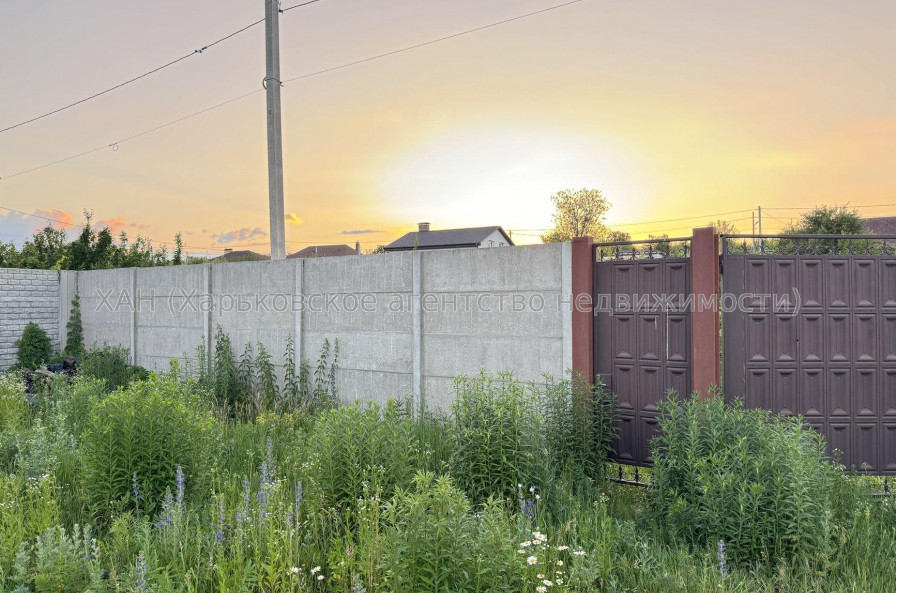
x: 662, y: 248
x: 807, y: 244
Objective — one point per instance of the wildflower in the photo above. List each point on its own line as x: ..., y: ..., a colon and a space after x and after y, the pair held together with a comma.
x: 540, y: 576
x: 579, y: 553
x: 547, y: 583
x: 320, y: 577
x: 135, y: 488
x: 525, y: 544
x: 293, y: 570
x: 316, y: 569
x: 560, y: 562
x: 532, y: 560
x: 540, y: 589
x: 179, y: 483
x: 721, y: 555
x: 222, y: 526
x: 141, y: 574
x: 560, y: 581
x: 561, y: 548
x: 521, y: 551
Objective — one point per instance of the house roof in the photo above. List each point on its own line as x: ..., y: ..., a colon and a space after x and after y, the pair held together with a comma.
x: 323, y: 251
x: 244, y: 255
x: 880, y: 225
x: 445, y: 239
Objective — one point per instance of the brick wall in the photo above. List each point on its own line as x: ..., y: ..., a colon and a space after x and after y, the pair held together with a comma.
x: 27, y: 295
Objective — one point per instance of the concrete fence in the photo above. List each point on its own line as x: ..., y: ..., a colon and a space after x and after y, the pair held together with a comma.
x: 407, y: 323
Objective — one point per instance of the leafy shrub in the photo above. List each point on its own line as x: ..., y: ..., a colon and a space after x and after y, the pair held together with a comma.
x: 62, y: 561
x: 497, y: 438
x: 432, y: 535
x: 28, y: 508
x: 75, y: 401
x: 579, y: 425
x: 12, y: 402
x: 111, y: 364
x: 34, y: 347
x: 352, y: 445
x: 74, y: 344
x: 759, y: 483
x: 145, y: 431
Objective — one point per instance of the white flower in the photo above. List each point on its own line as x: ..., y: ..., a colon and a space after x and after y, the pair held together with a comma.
x: 540, y: 589
x: 532, y: 560
x: 315, y: 569
x: 293, y: 570
x: 561, y: 548
x: 525, y: 544
x: 540, y: 576
x: 560, y: 562
x: 320, y: 577
x: 547, y: 583
x: 560, y: 581
x: 579, y: 553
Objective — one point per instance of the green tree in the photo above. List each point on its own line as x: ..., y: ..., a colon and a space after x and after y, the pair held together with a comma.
x: 828, y: 220
x: 45, y: 250
x: 92, y: 250
x: 619, y: 236
x: 74, y: 345
x: 34, y: 347
x: 578, y: 213
x: 724, y: 227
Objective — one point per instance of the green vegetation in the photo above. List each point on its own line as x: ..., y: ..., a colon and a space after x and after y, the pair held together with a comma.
x: 34, y: 347
x: 48, y: 249
x: 168, y: 484
x: 74, y: 344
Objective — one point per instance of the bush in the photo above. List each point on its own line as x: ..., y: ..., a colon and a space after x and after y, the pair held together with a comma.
x: 74, y: 344
x: 34, y: 347
x: 143, y: 433
x: 352, y: 445
x: 497, y: 437
x: 579, y: 425
x: 758, y: 483
x: 12, y: 402
x: 111, y: 364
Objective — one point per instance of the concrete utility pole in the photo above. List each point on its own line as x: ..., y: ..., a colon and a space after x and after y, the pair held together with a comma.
x: 275, y: 135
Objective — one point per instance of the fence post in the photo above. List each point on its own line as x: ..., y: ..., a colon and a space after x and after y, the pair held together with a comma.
x: 581, y: 281
x: 705, y: 315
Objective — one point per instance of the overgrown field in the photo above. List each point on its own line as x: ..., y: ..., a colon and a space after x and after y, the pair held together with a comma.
x: 231, y: 481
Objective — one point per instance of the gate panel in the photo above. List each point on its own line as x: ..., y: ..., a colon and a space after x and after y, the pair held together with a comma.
x: 642, y: 334
x: 828, y: 354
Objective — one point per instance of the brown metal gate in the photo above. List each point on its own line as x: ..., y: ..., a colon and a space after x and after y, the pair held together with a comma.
x: 642, y: 333
x: 828, y: 352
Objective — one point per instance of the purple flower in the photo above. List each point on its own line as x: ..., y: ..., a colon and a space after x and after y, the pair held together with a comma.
x: 141, y: 575
x: 222, y: 525
x: 721, y: 556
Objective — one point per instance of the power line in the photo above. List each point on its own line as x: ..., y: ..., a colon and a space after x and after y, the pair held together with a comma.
x: 136, y: 78
x: 114, y: 145
x: 356, y: 62
x: 301, y: 4
x: 812, y: 207
x: 431, y: 42
x: 153, y: 71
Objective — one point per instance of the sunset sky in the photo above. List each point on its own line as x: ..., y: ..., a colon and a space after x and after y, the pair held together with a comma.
x: 673, y: 109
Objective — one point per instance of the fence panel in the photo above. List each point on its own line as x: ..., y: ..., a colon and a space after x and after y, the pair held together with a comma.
x: 642, y: 333
x: 809, y: 329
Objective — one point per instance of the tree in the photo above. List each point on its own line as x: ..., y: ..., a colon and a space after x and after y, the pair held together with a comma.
x: 724, y: 227
x: 91, y: 250
x: 34, y: 347
x: 45, y: 250
x: 74, y: 344
x: 828, y: 220
x: 579, y: 213
x: 619, y: 236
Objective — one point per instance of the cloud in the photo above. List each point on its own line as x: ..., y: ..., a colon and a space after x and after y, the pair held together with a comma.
x: 18, y: 227
x: 118, y: 224
x: 292, y: 218
x: 360, y: 232
x: 243, y: 234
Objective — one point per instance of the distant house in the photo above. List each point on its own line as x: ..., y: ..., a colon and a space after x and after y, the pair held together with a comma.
x: 424, y: 238
x: 231, y: 256
x: 880, y: 225
x: 324, y: 251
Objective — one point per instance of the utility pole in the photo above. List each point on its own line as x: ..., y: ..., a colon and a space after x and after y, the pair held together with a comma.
x: 275, y: 134
x: 760, y: 225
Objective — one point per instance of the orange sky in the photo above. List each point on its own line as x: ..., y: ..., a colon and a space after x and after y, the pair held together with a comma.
x: 673, y: 109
